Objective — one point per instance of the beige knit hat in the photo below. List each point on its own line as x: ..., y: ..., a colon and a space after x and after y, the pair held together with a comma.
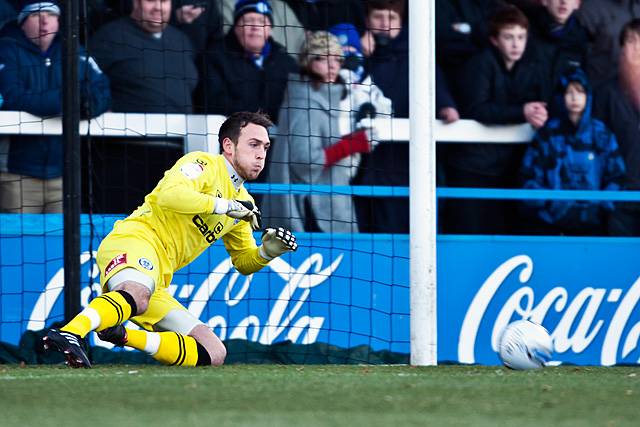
x: 319, y: 43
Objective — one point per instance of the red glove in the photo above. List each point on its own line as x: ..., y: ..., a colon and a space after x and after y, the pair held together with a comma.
x: 356, y: 142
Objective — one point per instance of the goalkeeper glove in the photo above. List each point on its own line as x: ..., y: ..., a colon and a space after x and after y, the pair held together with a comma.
x: 275, y: 242
x: 239, y: 209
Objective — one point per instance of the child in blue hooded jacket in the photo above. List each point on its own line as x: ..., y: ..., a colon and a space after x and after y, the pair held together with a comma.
x: 573, y: 151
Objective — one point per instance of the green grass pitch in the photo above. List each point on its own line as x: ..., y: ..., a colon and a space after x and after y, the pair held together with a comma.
x: 328, y: 395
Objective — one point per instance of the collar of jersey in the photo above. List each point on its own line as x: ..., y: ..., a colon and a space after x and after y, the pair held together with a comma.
x: 233, y: 175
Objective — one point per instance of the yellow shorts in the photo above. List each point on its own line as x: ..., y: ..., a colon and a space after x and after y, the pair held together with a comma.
x: 129, y: 246
x: 132, y: 245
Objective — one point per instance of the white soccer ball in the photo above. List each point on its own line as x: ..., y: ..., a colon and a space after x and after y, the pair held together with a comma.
x: 525, y: 345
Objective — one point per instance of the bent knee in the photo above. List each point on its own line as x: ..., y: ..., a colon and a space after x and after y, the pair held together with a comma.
x: 211, y: 343
x: 140, y: 294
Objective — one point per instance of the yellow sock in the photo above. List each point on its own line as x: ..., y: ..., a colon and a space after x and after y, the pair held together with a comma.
x: 107, y: 310
x: 168, y: 348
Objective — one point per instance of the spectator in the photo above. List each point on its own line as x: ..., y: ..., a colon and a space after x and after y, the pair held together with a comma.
x: 151, y: 67
x: 560, y: 37
x: 386, y: 46
x: 31, y: 81
x: 150, y: 63
x: 603, y: 20
x: 286, y: 28
x: 617, y: 103
x: 312, y: 150
x: 247, y: 71
x: 572, y: 151
x: 504, y: 84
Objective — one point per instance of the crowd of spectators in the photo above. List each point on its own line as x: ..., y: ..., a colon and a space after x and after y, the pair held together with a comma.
x: 325, y: 71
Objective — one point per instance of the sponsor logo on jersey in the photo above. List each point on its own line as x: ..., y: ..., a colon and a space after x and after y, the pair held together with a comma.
x: 209, y: 234
x: 145, y: 263
x: 192, y: 170
x: 116, y: 261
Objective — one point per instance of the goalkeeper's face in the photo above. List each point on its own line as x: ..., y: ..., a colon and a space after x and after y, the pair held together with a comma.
x: 249, y: 154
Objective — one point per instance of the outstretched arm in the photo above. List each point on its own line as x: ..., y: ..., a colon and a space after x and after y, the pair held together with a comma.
x: 247, y: 257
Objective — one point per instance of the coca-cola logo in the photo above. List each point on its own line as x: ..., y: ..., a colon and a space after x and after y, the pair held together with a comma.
x: 580, y: 321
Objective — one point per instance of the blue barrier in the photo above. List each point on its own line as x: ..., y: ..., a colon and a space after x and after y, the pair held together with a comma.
x: 446, y: 192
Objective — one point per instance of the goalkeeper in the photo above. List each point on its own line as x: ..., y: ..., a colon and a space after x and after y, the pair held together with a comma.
x: 199, y: 200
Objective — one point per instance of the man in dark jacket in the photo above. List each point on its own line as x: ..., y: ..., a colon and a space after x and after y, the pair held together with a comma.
x: 31, y: 81
x: 505, y: 84
x: 248, y: 70
x: 617, y: 103
x: 149, y: 62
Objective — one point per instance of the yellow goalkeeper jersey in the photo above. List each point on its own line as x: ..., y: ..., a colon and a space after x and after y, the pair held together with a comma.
x: 178, y: 220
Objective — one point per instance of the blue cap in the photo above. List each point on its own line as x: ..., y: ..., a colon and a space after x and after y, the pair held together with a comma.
x: 27, y: 7
x: 347, y: 35
x: 258, y: 6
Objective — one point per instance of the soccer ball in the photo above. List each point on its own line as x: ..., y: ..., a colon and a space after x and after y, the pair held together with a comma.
x: 525, y: 345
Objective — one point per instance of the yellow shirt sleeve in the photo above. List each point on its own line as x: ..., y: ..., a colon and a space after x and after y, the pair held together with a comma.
x: 186, y: 187
x: 243, y: 250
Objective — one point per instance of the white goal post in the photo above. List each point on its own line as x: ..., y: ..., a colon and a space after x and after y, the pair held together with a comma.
x: 422, y: 184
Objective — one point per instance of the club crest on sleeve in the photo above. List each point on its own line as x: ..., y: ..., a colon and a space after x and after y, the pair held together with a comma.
x: 145, y: 263
x: 192, y: 170
x: 116, y: 261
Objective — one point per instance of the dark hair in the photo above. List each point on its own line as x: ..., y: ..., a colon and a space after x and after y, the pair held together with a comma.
x: 507, y: 16
x: 236, y: 121
x: 630, y: 27
x: 395, y: 5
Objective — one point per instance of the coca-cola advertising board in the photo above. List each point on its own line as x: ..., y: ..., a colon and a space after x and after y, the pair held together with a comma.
x: 349, y: 290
